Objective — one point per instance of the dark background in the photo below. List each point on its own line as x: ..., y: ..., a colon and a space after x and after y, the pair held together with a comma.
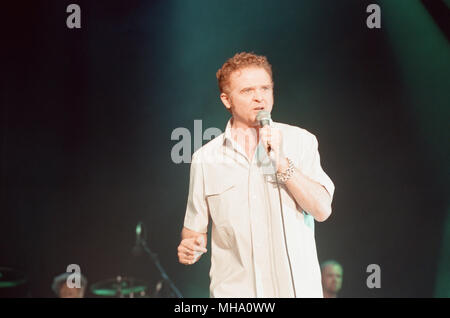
x: 87, y: 116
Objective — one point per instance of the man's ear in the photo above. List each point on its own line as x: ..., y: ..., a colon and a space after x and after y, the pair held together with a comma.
x: 226, y: 101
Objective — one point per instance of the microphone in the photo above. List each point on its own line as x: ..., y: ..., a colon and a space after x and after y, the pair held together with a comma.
x: 263, y: 117
x: 137, y: 249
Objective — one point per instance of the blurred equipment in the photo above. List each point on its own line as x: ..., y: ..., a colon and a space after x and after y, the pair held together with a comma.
x: 142, y: 247
x: 120, y: 287
x: 13, y: 283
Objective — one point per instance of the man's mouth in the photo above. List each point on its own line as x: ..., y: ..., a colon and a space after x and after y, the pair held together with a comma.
x: 259, y: 108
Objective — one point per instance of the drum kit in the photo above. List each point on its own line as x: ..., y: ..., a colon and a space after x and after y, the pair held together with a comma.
x: 122, y: 287
x: 14, y: 283
x: 129, y: 287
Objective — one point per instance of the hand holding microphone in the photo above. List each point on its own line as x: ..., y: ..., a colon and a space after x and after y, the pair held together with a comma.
x: 272, y: 139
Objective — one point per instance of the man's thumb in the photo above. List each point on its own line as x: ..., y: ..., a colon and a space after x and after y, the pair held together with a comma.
x: 199, y: 240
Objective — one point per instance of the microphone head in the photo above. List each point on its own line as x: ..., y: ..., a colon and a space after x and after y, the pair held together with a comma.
x: 141, y: 237
x: 138, y: 229
x: 263, y: 117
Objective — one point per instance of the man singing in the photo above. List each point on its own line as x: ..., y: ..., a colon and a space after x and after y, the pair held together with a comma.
x: 262, y: 187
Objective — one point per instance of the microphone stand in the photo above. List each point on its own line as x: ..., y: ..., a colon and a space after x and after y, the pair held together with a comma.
x: 164, y: 276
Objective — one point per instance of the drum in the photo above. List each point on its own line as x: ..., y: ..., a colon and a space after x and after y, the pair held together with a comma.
x: 13, y: 283
x: 120, y: 287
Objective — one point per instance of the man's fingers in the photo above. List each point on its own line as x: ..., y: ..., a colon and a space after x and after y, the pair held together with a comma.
x: 187, y: 260
x: 197, y: 245
x: 193, y: 246
x: 271, y: 138
x: 187, y: 252
x: 266, y: 136
x: 199, y: 240
x: 199, y: 248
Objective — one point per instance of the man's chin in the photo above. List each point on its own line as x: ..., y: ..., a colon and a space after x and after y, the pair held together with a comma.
x: 253, y: 122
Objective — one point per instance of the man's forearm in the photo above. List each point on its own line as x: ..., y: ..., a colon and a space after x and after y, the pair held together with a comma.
x: 310, y: 195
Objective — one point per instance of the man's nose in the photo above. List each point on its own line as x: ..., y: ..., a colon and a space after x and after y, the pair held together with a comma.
x: 258, y: 95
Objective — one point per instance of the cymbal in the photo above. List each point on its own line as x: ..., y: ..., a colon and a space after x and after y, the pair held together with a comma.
x: 119, y: 286
x: 10, y: 277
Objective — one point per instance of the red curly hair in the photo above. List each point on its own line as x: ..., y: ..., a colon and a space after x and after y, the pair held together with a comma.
x: 240, y: 61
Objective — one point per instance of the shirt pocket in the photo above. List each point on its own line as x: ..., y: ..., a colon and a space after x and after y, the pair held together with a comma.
x: 221, y: 198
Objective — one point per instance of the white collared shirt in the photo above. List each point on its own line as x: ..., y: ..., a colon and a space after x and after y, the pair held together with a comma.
x: 249, y: 257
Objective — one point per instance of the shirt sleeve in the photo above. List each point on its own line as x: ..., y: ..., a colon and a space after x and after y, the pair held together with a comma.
x: 316, y: 171
x: 196, y: 218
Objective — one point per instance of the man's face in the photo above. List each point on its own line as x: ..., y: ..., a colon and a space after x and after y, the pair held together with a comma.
x: 250, y: 91
x: 332, y: 278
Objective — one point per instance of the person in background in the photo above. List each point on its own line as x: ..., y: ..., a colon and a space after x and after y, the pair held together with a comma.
x: 332, y: 275
x: 63, y: 290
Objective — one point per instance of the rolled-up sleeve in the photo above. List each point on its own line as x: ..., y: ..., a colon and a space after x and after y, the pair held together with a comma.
x: 316, y: 171
x: 196, y: 218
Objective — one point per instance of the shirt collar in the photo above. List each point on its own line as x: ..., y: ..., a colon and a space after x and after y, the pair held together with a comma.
x: 227, y: 134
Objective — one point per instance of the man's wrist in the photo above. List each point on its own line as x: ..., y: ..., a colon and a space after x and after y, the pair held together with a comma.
x: 283, y: 165
x: 283, y: 176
